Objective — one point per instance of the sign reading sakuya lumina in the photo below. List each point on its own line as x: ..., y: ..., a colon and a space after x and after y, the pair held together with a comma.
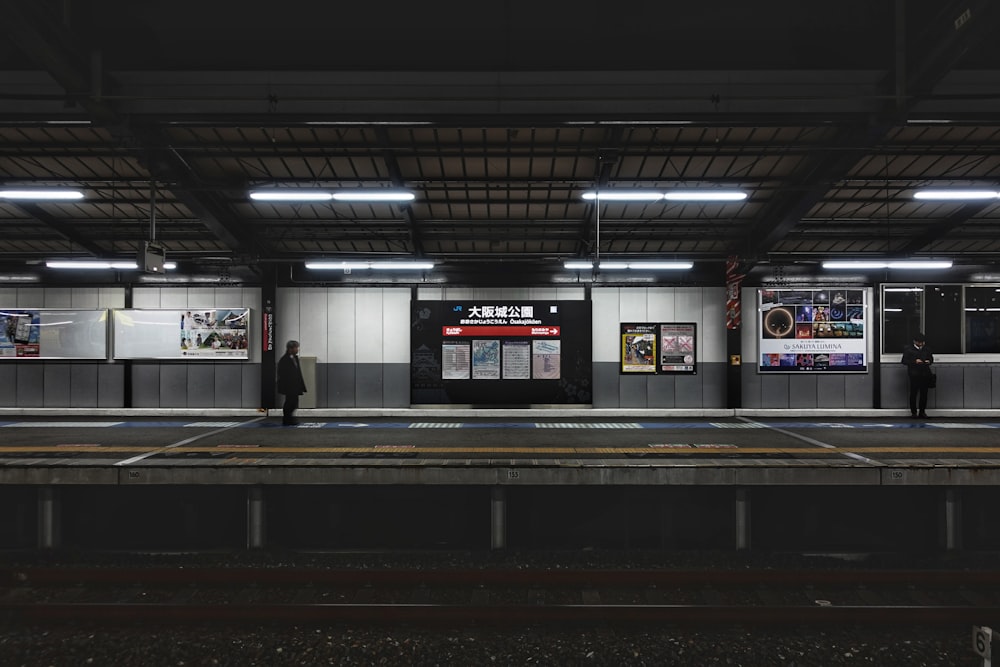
x: 819, y: 330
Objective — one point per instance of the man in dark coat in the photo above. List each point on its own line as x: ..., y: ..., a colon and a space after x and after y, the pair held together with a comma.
x: 290, y: 381
x: 918, y: 359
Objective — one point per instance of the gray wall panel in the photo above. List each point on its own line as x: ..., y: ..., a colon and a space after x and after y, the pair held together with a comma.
x: 340, y: 382
x: 632, y: 392
x: 859, y: 391
x: 396, y: 386
x: 802, y: 391
x: 368, y: 385
x: 57, y: 385
x: 774, y: 391
x: 949, y: 387
x: 228, y: 386
x: 995, y: 376
x: 751, y: 389
x: 713, y: 378
x: 319, y: 392
x: 895, y: 386
x: 830, y: 390
x: 605, y: 378
x: 661, y: 391
x: 251, y: 385
x: 8, y: 384
x: 200, y: 390
x: 689, y: 392
x: 977, y: 387
x: 30, y: 378
x: 173, y: 386
x: 145, y: 385
x: 83, y: 386
x: 110, y: 385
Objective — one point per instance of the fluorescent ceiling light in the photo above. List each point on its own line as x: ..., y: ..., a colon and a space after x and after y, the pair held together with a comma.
x: 624, y: 195
x: 705, y: 195
x: 904, y: 289
x: 660, y: 265
x: 578, y: 265
x: 290, y: 194
x: 900, y: 264
x: 40, y: 194
x: 613, y: 265
x: 955, y: 195
x: 855, y: 265
x: 378, y: 266
x: 374, y: 195
x: 98, y: 264
x: 921, y: 264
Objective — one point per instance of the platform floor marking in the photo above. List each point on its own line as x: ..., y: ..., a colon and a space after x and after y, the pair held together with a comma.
x: 602, y: 425
x: 820, y: 443
x: 436, y: 425
x: 211, y: 424
x: 743, y: 425
x: 175, y: 445
x: 957, y: 425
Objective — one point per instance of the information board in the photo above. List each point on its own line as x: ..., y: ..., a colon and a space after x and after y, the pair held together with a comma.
x: 658, y: 348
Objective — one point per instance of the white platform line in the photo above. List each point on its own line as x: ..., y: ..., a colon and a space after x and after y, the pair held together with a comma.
x: 181, y: 443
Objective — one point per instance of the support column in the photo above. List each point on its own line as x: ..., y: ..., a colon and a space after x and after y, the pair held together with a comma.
x: 48, y: 529
x: 498, y: 517
x: 742, y: 508
x: 952, y: 520
x: 255, y: 517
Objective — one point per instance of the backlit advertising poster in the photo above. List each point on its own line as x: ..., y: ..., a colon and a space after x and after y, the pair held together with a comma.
x: 209, y: 333
x: 53, y: 334
x: 813, y: 330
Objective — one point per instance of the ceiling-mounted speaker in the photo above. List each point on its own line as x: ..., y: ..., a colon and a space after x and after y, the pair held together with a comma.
x: 151, y: 257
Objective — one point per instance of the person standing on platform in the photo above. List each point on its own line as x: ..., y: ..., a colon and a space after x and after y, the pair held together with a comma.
x: 917, y: 358
x: 290, y: 382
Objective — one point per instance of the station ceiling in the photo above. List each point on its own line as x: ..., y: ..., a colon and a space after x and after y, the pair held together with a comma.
x: 498, y: 117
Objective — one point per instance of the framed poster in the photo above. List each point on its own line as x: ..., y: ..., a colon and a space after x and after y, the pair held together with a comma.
x: 638, y: 348
x: 41, y: 333
x: 209, y: 334
x: 659, y: 348
x: 813, y: 330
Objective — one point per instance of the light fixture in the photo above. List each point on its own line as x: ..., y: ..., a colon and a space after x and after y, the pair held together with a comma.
x: 373, y: 195
x: 99, y: 264
x: 578, y: 265
x: 645, y: 266
x: 623, y: 195
x: 290, y: 195
x: 704, y: 195
x: 377, y: 266
x: 896, y: 264
x: 955, y: 195
x: 41, y: 194
x: 653, y: 266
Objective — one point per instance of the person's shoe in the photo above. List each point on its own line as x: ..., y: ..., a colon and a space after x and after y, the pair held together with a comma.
x: 922, y: 415
x: 913, y: 414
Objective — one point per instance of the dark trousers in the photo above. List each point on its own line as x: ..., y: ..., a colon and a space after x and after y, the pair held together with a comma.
x: 918, y: 394
x: 291, y: 405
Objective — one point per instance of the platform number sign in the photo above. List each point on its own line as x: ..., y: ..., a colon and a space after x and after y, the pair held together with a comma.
x: 982, y: 640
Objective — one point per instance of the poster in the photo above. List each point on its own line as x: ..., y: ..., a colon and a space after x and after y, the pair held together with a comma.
x: 677, y: 348
x: 817, y: 330
x: 638, y: 348
x: 455, y: 361
x: 216, y: 333
x: 53, y: 334
x: 516, y: 361
x: 545, y: 359
x: 485, y: 359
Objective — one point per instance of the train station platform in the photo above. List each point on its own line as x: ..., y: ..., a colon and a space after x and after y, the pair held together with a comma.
x: 500, y: 447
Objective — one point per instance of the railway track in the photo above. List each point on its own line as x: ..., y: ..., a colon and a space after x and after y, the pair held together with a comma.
x: 499, y: 596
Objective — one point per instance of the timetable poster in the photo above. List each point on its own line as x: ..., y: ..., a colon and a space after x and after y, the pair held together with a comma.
x: 817, y: 330
x: 455, y: 361
x: 545, y: 359
x: 638, y: 348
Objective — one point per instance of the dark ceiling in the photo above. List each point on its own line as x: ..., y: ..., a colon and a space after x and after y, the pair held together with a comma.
x: 498, y: 117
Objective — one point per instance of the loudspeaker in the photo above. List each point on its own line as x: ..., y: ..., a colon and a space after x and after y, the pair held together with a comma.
x: 151, y: 257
